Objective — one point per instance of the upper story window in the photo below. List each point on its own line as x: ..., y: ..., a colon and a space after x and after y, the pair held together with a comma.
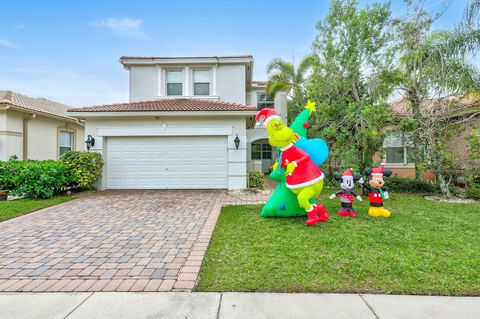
x: 201, y: 82
x: 263, y: 101
x: 175, y: 82
x: 66, y: 142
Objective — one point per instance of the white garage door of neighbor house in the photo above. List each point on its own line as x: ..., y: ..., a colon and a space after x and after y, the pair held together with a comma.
x: 167, y: 162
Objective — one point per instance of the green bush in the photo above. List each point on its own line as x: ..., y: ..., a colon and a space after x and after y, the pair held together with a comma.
x: 473, y: 191
x: 255, y: 180
x: 409, y: 185
x: 34, y: 179
x: 87, y: 167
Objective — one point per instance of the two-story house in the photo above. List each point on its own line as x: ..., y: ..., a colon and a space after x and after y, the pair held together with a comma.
x: 189, y: 124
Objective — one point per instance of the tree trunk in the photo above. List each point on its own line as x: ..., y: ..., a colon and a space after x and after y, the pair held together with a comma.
x: 443, y: 185
x: 418, y: 166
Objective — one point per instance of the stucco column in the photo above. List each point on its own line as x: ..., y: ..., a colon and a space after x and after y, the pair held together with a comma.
x: 187, y: 82
x: 214, y: 80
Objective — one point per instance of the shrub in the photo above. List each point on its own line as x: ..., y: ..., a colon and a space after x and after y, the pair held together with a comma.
x: 255, y: 180
x: 409, y: 185
x: 35, y: 179
x: 87, y: 167
x: 473, y: 191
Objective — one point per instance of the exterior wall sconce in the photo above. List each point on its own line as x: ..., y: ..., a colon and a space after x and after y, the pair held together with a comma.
x: 90, y: 142
x: 237, y: 142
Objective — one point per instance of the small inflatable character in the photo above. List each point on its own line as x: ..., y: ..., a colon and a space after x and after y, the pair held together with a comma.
x: 377, y: 191
x: 347, y: 195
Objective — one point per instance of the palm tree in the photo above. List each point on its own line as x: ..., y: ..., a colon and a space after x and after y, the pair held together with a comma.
x: 282, y: 76
x: 433, y: 65
x: 450, y: 48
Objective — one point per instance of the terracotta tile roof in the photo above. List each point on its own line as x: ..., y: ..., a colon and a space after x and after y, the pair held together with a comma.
x: 38, y: 105
x: 185, y: 57
x: 168, y: 105
x: 454, y: 103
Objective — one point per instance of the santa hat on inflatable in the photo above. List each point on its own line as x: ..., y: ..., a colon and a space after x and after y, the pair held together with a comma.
x: 378, y: 170
x: 264, y: 116
x: 348, y: 174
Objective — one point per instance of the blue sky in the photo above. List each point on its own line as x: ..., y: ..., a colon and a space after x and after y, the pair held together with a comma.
x: 68, y: 51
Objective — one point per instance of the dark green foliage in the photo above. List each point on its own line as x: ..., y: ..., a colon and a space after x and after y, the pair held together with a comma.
x: 255, y: 180
x: 351, y: 81
x: 410, y: 185
x: 473, y: 191
x: 87, y: 167
x: 34, y: 179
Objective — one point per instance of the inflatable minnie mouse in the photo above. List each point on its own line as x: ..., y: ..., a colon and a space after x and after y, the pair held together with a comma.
x: 347, y: 195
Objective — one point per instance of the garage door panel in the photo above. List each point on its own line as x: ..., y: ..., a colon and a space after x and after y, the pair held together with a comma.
x: 167, y: 162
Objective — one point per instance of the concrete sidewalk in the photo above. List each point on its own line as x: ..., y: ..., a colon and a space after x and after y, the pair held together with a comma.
x: 233, y: 305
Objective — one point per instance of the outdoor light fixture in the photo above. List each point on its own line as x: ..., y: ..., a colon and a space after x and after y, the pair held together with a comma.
x: 90, y: 142
x: 237, y: 142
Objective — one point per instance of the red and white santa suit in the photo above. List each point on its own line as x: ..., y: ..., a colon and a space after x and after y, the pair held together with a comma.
x: 306, y: 172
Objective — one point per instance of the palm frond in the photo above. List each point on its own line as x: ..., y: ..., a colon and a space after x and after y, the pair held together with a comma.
x: 306, y: 63
x: 274, y: 87
x: 472, y: 12
x: 280, y: 65
x: 456, y: 43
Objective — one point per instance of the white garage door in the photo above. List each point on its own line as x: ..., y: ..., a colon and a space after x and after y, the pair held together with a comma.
x: 168, y: 162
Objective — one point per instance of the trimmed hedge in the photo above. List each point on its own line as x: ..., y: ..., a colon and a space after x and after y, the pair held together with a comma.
x: 410, y: 185
x: 255, y: 180
x: 44, y: 179
x: 394, y: 184
x: 35, y: 179
x: 87, y: 167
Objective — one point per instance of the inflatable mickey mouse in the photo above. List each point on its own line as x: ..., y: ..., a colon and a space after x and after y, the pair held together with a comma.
x: 377, y: 191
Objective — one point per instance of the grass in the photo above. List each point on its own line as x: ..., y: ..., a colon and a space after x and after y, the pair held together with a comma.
x: 425, y: 247
x: 11, y: 209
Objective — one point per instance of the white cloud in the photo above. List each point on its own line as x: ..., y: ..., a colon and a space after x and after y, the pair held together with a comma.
x: 71, y: 86
x: 123, y: 27
x: 7, y: 43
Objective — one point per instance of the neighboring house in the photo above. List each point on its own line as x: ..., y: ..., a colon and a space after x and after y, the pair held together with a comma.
x: 36, y: 128
x: 189, y: 124
x: 398, y: 147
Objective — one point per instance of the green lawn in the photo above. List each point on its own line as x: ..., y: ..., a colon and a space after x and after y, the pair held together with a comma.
x: 424, y: 248
x: 11, y: 209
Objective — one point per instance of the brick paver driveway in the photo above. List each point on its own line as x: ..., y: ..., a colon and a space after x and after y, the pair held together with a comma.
x: 112, y: 241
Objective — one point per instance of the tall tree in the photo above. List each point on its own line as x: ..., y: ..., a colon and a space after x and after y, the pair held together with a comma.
x: 283, y: 76
x: 432, y: 67
x: 351, y: 80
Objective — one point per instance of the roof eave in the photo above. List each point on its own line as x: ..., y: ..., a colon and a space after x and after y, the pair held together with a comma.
x: 8, y: 105
x: 128, y: 61
x: 81, y: 115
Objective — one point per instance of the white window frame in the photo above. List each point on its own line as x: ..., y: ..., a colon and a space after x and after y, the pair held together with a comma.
x: 182, y: 82
x: 72, y: 141
x: 272, y: 102
x: 209, y: 80
x: 398, y: 140
x: 262, y: 151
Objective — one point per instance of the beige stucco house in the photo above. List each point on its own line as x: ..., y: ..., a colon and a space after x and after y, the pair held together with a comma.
x: 36, y: 128
x: 398, y: 146
x: 189, y: 124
